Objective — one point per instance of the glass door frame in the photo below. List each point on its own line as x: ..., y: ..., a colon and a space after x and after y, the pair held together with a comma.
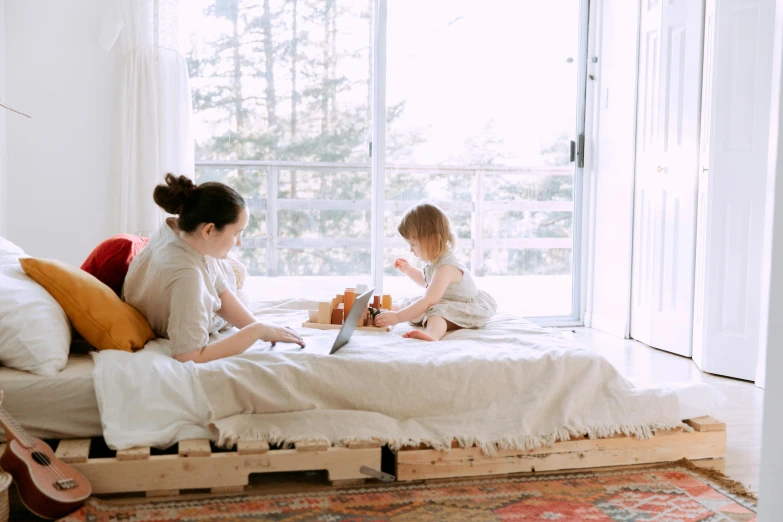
x: 377, y: 153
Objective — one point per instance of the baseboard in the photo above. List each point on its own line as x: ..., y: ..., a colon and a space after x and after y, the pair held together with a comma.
x: 608, y: 325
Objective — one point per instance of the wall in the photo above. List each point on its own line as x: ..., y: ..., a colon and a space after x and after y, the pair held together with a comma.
x: 3, y: 115
x: 771, y: 480
x: 610, y: 158
x: 64, y: 163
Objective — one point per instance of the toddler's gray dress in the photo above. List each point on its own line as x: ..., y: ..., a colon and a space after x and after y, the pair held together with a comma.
x: 463, y: 303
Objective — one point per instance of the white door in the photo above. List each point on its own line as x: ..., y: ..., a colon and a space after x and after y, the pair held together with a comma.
x: 735, y: 186
x: 666, y: 173
x: 704, y: 180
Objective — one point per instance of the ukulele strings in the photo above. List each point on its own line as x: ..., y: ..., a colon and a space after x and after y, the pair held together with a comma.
x: 29, y: 442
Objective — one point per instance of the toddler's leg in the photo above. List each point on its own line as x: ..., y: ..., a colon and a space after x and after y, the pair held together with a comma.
x: 436, y: 329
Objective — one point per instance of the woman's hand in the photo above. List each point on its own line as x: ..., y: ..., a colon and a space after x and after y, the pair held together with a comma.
x: 402, y: 265
x: 387, y: 319
x: 279, y: 334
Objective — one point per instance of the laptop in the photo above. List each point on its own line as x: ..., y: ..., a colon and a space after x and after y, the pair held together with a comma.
x: 323, y: 344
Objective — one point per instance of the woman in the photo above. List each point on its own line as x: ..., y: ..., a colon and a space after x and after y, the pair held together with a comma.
x: 181, y: 288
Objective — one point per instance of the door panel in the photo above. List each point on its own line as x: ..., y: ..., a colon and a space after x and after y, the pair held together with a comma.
x: 667, y: 172
x: 729, y: 335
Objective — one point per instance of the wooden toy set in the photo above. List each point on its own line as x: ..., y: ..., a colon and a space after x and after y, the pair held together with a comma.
x: 332, y: 314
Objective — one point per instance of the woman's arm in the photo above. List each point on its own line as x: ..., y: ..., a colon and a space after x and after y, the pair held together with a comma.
x: 234, y: 344
x: 441, y: 279
x: 234, y: 311
x: 240, y: 341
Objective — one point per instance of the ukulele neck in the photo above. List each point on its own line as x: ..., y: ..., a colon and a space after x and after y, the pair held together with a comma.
x: 13, y: 430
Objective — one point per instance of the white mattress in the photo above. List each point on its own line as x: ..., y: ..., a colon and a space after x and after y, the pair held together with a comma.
x: 60, y: 406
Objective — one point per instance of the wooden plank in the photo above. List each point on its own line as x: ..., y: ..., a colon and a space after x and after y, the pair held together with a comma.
x: 225, y: 490
x: 73, y: 450
x: 162, y: 493
x: 311, y: 446
x: 363, y: 444
x: 350, y: 483
x: 252, y: 447
x: 141, y: 453
x: 170, y: 472
x: 337, y: 327
x: 706, y: 424
x: 194, y: 448
x: 574, y: 454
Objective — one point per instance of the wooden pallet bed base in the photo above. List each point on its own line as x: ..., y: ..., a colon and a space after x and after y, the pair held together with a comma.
x: 707, y: 441
x: 195, y: 466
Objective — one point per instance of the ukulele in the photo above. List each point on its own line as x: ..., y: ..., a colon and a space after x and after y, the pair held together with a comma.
x: 47, y: 486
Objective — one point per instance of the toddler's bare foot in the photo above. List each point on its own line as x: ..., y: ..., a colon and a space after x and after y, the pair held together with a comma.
x: 419, y: 334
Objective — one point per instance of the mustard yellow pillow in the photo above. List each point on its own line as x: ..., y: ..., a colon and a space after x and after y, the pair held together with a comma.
x: 94, y: 309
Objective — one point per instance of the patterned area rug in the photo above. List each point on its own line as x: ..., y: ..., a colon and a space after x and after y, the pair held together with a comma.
x: 676, y: 492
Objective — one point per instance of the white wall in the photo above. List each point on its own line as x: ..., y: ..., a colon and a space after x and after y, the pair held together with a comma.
x: 3, y: 180
x: 771, y: 480
x: 612, y: 165
x: 64, y: 162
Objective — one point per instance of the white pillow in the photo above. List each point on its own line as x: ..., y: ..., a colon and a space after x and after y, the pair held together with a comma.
x: 35, y: 334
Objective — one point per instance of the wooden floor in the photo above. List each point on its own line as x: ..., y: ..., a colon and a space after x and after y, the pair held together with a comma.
x: 742, y: 412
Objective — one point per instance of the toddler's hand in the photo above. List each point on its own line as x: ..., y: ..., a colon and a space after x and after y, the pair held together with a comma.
x: 387, y: 319
x: 402, y: 265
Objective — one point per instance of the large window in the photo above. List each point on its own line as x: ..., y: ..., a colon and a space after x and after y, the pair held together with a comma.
x: 481, y: 109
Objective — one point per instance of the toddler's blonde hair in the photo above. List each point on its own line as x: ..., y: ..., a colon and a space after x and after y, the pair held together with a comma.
x: 429, y: 225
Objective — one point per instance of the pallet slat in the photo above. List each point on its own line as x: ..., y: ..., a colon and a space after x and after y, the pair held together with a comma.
x: 706, y: 424
x: 225, y: 490
x: 162, y: 493
x: 362, y: 444
x: 422, y: 464
x: 73, y: 450
x: 142, y: 453
x: 194, y: 448
x: 311, y: 446
x: 252, y: 447
x: 220, y: 470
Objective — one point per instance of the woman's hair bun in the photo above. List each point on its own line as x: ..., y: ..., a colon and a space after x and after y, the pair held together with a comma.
x: 175, y: 193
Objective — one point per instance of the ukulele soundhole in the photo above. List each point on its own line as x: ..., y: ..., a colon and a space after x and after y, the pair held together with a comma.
x: 41, y: 458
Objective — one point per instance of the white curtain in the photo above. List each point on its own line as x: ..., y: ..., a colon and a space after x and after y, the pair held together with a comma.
x: 155, y: 105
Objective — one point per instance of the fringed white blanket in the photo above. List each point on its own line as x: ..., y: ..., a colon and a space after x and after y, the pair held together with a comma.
x: 511, y: 385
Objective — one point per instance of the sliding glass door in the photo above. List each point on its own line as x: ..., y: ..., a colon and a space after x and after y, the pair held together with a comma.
x: 322, y: 112
x: 482, y: 110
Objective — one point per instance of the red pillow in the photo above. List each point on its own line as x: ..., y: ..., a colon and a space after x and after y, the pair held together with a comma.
x: 110, y: 260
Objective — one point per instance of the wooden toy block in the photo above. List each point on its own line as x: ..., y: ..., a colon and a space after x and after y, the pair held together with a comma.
x: 376, y: 301
x: 350, y: 297
x: 337, y: 315
x: 313, y: 316
x: 324, y: 312
x: 386, y: 302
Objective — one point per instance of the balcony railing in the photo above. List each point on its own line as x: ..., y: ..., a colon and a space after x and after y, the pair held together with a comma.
x: 477, y: 206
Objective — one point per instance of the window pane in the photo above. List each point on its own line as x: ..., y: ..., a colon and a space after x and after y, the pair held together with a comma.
x: 481, y: 113
x: 285, y: 81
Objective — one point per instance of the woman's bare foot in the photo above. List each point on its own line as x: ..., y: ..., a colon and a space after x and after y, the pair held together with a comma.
x: 419, y: 334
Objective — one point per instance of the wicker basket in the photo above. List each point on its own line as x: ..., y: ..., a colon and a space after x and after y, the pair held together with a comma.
x: 5, y: 482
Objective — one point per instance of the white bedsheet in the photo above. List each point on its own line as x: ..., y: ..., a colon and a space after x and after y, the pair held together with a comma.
x: 511, y: 384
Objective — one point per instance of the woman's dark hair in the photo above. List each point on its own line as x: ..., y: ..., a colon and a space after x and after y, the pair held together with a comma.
x: 210, y: 202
